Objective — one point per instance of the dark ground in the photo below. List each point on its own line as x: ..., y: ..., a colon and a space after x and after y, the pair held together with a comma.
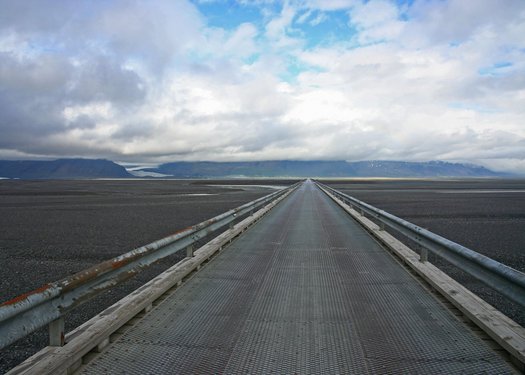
x: 485, y: 215
x: 50, y: 229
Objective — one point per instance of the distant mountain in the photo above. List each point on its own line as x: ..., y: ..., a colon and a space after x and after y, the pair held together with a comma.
x: 420, y: 169
x: 89, y: 168
x: 280, y: 168
x: 62, y: 169
x: 317, y: 168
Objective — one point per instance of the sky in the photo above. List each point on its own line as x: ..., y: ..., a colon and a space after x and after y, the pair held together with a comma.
x: 157, y: 81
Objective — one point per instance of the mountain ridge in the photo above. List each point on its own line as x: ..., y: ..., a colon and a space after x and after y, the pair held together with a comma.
x: 102, y: 168
x: 62, y: 169
x: 320, y: 168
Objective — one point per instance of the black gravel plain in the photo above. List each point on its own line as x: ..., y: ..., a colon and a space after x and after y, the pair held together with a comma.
x: 485, y: 215
x: 51, y: 229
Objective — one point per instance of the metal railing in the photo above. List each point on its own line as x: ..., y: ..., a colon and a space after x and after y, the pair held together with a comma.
x: 501, y: 278
x: 47, y: 305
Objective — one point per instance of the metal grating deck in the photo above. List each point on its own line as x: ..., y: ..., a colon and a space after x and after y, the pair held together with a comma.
x: 306, y: 291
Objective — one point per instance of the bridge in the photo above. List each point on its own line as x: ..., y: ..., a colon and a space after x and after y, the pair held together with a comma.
x: 308, y: 281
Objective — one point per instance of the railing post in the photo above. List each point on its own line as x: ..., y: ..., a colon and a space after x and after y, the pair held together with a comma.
x: 189, y: 251
x: 56, y: 332
x: 423, y: 252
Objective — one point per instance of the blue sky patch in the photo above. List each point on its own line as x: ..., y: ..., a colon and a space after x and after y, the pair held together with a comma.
x: 316, y: 27
x: 294, y: 68
x: 334, y: 29
x: 495, y: 69
x: 229, y: 15
x: 473, y: 107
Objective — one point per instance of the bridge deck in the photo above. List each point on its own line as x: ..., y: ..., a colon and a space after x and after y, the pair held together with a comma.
x: 306, y: 290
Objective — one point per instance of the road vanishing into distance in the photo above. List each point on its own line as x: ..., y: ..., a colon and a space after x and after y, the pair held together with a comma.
x: 306, y: 290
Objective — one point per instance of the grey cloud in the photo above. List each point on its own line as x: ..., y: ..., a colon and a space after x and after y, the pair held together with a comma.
x: 458, y: 21
x: 82, y: 122
x: 133, y: 130
x: 103, y: 79
x: 257, y: 136
x: 513, y: 81
x: 28, y: 99
x: 33, y: 95
x: 35, y: 16
x: 82, y: 53
x: 46, y: 75
x: 154, y: 31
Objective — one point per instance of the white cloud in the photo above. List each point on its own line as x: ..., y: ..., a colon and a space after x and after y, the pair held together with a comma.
x: 279, y: 29
x: 320, y: 18
x: 377, y: 20
x: 458, y: 21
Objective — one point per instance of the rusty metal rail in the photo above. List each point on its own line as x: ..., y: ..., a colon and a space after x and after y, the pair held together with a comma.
x: 47, y: 304
x: 501, y: 278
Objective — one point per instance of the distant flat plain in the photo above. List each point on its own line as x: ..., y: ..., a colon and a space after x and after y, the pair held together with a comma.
x: 50, y: 229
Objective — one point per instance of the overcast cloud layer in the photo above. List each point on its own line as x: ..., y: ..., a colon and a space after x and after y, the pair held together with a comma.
x: 157, y: 81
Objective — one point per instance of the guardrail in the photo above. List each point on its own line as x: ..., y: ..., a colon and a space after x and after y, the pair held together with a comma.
x: 47, y: 305
x: 501, y: 278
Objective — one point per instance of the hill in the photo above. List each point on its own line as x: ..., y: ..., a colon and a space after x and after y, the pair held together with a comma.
x: 100, y: 168
x: 318, y: 168
x: 62, y: 169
